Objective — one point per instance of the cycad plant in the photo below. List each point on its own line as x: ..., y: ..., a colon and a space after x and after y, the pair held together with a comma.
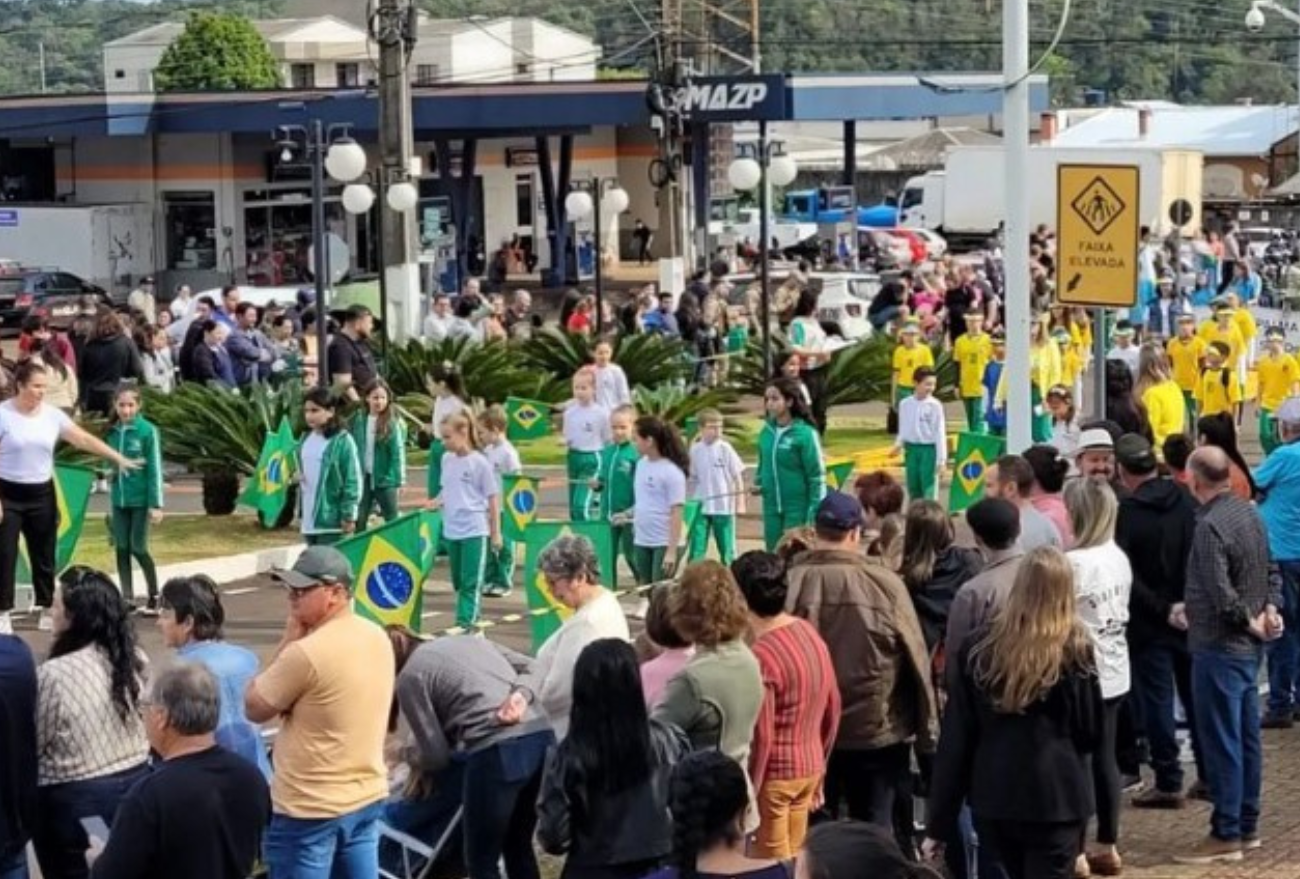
x: 491, y: 372
x: 648, y: 359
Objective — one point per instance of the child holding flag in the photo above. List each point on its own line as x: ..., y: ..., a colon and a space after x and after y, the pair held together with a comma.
x: 1278, y: 374
x: 449, y: 398
x: 922, y: 437
x: 1217, y: 390
x: 973, y: 350
x: 660, y: 498
x: 910, y: 355
x: 380, y: 435
x: 612, y: 389
x: 470, y: 501
x: 329, y: 472
x: 137, y: 497
x: 717, y: 476
x: 791, y: 472
x: 504, y: 458
x: 585, y: 433
x: 615, y: 481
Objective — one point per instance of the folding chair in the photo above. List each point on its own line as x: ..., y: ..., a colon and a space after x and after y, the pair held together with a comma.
x: 418, y: 860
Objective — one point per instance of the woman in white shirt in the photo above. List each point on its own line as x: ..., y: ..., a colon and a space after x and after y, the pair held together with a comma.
x: 1103, y: 580
x: 30, y: 428
x: 808, y: 340
x: 572, y: 573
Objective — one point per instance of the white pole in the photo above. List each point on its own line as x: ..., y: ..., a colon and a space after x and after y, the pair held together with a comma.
x: 1015, y: 139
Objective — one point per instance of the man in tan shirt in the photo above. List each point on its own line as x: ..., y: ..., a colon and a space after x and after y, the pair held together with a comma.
x: 330, y: 684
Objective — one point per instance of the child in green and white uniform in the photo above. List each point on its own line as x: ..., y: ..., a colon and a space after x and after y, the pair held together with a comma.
x: 380, y: 435
x: 448, y: 389
x: 717, y: 479
x: 922, y: 437
x: 615, y: 482
x: 504, y: 458
x: 585, y: 432
x: 329, y: 473
x: 471, y: 513
x: 791, y: 471
x: 660, y: 493
x: 137, y: 497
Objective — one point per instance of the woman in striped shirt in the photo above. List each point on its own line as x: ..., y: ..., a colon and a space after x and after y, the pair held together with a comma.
x: 800, y: 713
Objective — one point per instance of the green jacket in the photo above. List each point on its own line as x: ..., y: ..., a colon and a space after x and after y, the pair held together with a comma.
x: 791, y: 472
x: 617, y: 478
x: 339, y: 494
x: 138, y: 440
x: 390, y: 452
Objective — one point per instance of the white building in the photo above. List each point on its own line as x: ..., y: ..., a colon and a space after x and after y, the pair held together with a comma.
x: 326, y: 52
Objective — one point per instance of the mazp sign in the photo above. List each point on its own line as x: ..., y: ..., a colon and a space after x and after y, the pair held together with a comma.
x: 734, y: 99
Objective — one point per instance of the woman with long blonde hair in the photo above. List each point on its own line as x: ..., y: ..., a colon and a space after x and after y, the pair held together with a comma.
x: 1160, y: 394
x: 1019, y: 728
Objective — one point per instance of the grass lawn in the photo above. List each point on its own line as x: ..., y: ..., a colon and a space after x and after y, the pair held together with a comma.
x: 846, y: 436
x: 185, y: 538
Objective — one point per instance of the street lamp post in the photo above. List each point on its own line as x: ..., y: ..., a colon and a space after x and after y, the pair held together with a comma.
x: 401, y: 196
x: 329, y: 150
x: 595, y: 196
x: 759, y: 165
x: 1255, y: 21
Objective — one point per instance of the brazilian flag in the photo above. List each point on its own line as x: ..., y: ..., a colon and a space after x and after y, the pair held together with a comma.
x: 72, y: 492
x: 838, y: 472
x: 526, y: 419
x: 389, y: 566
x: 975, y: 452
x: 268, y: 490
x: 546, y: 611
x: 519, y: 509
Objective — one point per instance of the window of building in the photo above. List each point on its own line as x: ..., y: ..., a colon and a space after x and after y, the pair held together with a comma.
x: 119, y: 74
x: 524, y: 200
x: 347, y: 75
x: 426, y: 74
x: 302, y: 76
x: 191, y: 229
x: 523, y: 69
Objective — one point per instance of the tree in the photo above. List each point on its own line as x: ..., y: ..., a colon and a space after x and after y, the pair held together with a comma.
x: 217, y: 51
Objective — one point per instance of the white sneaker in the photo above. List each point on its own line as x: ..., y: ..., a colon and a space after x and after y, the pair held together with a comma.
x: 6, y: 625
x: 45, y: 623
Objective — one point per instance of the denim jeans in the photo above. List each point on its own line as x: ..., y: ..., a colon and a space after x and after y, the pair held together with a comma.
x: 14, y: 866
x: 346, y: 847
x: 59, y: 839
x: 1160, y: 671
x: 1227, y: 721
x: 500, y: 796
x: 1284, y: 653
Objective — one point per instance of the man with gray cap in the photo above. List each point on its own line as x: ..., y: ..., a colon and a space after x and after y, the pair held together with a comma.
x: 330, y: 683
x: 1278, y: 479
x: 202, y: 812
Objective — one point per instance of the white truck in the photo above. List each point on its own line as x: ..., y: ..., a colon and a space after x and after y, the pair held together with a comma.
x: 966, y: 200
x: 110, y: 245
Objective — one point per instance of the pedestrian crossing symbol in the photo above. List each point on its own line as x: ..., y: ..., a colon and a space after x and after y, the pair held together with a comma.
x: 1097, y: 208
x: 1098, y: 205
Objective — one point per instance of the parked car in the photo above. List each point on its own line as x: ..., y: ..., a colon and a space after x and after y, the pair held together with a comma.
x: 842, y: 300
x: 877, y: 247
x: 935, y: 245
x: 1256, y: 239
x: 50, y: 292
x: 917, y: 245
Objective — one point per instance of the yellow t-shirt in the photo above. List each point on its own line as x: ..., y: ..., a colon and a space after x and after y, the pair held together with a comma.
x: 1217, y: 391
x: 1277, y: 376
x: 1166, y: 410
x: 1071, y: 366
x: 1245, y: 322
x: 335, y: 689
x: 1231, y: 337
x: 972, y: 354
x: 908, y: 360
x: 1185, y: 358
x: 1045, y: 366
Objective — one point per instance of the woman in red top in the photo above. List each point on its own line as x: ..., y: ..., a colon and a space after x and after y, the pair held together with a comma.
x: 800, y: 713
x: 580, y: 320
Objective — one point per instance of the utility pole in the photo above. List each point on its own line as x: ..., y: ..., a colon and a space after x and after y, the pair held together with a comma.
x: 395, y: 27
x: 1015, y: 136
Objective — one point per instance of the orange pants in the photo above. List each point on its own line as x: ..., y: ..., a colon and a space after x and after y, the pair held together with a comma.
x: 783, y: 809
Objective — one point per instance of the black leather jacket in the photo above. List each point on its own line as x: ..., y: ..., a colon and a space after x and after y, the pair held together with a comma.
x: 598, y: 830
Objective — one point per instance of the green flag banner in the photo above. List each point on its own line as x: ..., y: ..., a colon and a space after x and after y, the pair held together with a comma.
x: 72, y: 485
x: 975, y: 452
x: 838, y: 472
x: 268, y: 490
x: 526, y: 419
x: 548, y: 612
x: 390, y: 564
x: 521, y: 498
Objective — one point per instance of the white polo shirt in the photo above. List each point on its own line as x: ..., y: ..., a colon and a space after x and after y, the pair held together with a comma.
x: 586, y: 428
x: 468, y: 483
x: 658, y: 487
x: 715, y: 468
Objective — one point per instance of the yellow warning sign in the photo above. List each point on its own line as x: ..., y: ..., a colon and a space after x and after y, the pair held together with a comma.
x: 1097, y: 234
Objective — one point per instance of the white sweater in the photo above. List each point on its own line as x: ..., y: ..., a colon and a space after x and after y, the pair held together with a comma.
x: 1102, y: 582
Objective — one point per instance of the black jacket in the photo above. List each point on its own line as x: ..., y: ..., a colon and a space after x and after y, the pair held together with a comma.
x: 1155, y: 527
x: 596, y: 829
x: 1031, y: 767
x: 952, y: 569
x: 17, y: 745
x: 102, y: 366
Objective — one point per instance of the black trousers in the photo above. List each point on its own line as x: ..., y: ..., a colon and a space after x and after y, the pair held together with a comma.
x: 1032, y: 850
x: 31, y: 511
x: 815, y: 381
x: 1105, y: 775
x: 870, y: 782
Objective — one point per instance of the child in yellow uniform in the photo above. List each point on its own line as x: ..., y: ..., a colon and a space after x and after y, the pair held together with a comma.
x: 1071, y: 360
x: 1160, y: 394
x: 1186, y: 352
x: 1044, y: 374
x: 1217, y: 390
x: 973, y: 350
x: 1223, y: 328
x: 1278, y: 373
x: 910, y: 355
x: 1245, y: 322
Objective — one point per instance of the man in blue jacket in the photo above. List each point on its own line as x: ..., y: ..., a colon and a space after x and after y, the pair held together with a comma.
x: 250, y: 351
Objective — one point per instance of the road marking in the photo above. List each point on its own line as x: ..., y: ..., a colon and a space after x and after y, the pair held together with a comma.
x: 244, y: 590
x: 431, y: 613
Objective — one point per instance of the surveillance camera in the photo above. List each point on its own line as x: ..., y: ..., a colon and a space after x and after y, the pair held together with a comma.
x: 1254, y: 20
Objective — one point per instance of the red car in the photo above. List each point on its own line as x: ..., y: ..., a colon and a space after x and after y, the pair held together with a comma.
x: 920, y: 252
